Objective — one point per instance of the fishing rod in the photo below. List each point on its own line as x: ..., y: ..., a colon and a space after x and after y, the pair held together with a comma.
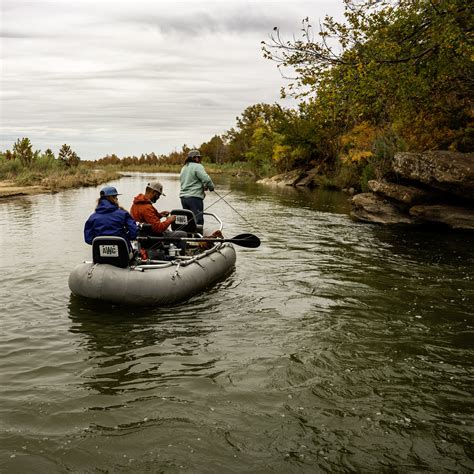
x: 194, y: 217
x: 235, y: 210
x: 221, y: 198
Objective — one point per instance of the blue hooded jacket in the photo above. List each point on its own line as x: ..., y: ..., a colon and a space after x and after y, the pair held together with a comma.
x: 108, y: 219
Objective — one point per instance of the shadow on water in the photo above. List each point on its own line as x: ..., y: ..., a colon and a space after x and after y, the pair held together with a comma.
x: 129, y: 347
x: 427, y: 245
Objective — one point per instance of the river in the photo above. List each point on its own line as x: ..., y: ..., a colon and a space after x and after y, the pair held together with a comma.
x: 335, y: 346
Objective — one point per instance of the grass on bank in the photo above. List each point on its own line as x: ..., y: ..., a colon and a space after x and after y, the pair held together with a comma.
x: 51, y: 174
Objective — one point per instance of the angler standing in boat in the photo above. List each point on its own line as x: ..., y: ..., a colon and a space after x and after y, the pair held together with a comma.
x: 194, y: 181
x: 110, y: 219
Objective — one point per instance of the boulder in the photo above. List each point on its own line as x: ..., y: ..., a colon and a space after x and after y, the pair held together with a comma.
x: 311, y: 178
x: 284, y: 179
x: 448, y: 171
x: 452, y: 216
x: 369, y: 207
x: 243, y: 174
x: 408, y: 195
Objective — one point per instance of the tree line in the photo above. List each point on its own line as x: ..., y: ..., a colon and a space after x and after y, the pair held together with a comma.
x: 395, y: 75
x: 23, y: 155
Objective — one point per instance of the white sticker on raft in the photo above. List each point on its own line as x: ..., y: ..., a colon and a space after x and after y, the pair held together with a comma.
x: 181, y: 220
x: 108, y: 250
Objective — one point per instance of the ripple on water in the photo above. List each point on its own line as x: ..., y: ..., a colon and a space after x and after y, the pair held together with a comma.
x: 334, y: 346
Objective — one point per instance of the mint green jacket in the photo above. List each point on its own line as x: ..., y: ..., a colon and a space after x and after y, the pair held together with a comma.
x: 194, y: 180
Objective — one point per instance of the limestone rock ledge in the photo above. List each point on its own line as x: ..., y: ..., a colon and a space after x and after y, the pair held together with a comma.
x: 284, y: 179
x: 447, y: 171
x: 408, y: 195
x: 435, y: 188
x: 452, y: 216
x: 369, y: 207
x: 298, y: 177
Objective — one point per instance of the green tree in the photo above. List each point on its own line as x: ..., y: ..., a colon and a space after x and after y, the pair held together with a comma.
x: 49, y: 154
x: 404, y: 65
x: 215, y: 150
x: 68, y: 157
x: 241, y: 139
x: 23, y: 150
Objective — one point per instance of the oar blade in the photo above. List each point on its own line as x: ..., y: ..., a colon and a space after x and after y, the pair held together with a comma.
x: 250, y: 241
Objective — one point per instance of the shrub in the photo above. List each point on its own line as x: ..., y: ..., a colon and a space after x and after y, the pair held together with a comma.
x: 368, y: 173
x: 45, y: 163
x: 347, y: 175
x: 9, y: 168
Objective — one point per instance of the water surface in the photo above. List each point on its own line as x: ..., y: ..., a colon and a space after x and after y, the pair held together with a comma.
x: 335, y: 346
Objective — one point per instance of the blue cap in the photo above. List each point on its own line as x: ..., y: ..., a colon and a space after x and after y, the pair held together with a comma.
x: 109, y: 191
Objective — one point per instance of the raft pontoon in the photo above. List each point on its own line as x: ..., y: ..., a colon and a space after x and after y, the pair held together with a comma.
x: 115, y: 277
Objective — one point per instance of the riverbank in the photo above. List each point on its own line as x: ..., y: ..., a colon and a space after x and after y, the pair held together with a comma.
x: 10, y: 189
x: 53, y: 183
x: 240, y: 169
x: 434, y: 188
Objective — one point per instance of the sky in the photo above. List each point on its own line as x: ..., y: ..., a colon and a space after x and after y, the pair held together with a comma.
x: 132, y: 77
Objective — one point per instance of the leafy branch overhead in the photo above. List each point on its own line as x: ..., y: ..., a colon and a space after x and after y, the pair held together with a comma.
x: 417, y: 33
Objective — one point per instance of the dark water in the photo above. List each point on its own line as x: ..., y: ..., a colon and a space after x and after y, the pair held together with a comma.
x: 335, y: 346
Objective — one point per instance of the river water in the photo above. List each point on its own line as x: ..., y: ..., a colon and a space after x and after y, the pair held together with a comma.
x: 335, y: 346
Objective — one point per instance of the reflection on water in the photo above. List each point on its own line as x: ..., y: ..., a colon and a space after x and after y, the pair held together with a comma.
x: 335, y: 346
x: 130, y: 349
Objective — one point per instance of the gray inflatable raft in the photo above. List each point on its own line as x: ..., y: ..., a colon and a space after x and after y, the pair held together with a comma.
x: 161, y: 284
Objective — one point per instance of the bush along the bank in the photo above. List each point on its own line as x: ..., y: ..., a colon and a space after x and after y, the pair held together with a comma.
x: 25, y: 167
x: 22, y: 162
x: 394, y: 77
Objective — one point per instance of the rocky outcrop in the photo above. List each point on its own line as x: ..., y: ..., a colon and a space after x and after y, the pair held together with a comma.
x: 310, y: 178
x: 444, y: 170
x: 452, y: 216
x: 407, y: 195
x: 299, y: 177
x: 432, y: 188
x: 369, y: 207
x: 285, y: 179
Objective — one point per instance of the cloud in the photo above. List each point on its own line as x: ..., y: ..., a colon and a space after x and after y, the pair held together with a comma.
x: 124, y: 77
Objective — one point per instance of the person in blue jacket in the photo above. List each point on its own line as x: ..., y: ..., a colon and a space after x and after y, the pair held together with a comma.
x: 110, y: 219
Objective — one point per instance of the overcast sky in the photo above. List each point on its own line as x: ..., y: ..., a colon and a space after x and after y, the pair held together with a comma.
x: 131, y: 77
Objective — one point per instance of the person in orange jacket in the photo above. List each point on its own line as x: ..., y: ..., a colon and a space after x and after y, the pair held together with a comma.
x: 142, y: 209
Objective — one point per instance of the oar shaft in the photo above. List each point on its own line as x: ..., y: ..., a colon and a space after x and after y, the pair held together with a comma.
x: 187, y: 239
x: 244, y: 240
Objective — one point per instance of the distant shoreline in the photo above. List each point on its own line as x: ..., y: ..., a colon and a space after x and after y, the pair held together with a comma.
x: 9, y: 189
x: 55, y: 182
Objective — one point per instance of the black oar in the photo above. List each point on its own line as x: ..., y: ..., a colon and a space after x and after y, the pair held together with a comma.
x: 244, y: 240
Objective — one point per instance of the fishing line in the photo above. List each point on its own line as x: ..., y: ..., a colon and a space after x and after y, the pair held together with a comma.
x: 217, y: 200
x: 210, y: 205
x: 236, y: 211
